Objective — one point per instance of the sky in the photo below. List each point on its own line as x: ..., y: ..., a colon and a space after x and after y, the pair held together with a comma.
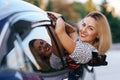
x: 113, y: 3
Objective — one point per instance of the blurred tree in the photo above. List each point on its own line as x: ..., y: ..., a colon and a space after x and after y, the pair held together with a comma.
x: 113, y: 21
x: 30, y: 1
x: 90, y: 6
x: 49, y: 6
x: 35, y: 2
x: 80, y: 9
x: 67, y: 9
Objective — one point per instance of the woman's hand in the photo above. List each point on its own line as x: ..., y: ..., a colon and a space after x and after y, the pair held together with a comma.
x: 60, y: 26
x: 66, y: 41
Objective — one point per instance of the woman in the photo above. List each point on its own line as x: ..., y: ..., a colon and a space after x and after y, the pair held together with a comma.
x: 94, y: 31
x: 94, y: 36
x: 42, y: 51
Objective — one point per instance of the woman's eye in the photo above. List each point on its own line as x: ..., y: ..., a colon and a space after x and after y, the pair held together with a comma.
x: 83, y: 24
x: 41, y: 42
x: 90, y: 28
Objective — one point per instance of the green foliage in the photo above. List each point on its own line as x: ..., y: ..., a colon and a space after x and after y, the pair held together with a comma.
x: 26, y: 0
x: 90, y: 6
x: 49, y: 6
x: 36, y: 3
x: 80, y: 9
x: 115, y: 29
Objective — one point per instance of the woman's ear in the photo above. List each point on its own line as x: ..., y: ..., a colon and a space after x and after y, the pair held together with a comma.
x: 98, y: 36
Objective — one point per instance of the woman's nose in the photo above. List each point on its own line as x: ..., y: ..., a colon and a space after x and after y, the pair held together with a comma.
x: 83, y: 29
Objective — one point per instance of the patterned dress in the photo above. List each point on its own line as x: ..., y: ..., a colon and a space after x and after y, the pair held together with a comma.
x: 82, y: 54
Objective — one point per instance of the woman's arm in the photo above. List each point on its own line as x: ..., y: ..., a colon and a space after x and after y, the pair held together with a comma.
x: 66, y: 41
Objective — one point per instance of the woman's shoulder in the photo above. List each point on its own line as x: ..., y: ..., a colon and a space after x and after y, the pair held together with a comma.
x: 80, y: 43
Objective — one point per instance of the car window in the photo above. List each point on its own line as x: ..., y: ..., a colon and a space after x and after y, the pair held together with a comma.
x: 40, y: 45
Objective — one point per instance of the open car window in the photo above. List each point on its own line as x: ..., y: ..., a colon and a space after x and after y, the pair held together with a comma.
x: 37, y: 48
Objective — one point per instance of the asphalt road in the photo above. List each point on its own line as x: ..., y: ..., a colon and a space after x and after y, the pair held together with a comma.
x: 112, y: 70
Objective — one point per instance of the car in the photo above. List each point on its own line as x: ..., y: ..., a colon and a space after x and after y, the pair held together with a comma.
x: 19, y: 25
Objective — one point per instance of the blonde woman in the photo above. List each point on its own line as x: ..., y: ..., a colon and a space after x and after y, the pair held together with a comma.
x: 94, y: 36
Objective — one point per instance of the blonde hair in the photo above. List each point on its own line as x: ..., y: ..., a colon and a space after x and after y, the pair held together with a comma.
x: 104, y: 33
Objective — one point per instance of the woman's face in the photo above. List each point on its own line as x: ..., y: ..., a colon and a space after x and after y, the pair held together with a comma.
x: 42, y: 48
x: 88, y: 30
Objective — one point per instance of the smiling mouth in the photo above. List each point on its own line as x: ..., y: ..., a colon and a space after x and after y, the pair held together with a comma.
x: 82, y: 35
x: 47, y: 47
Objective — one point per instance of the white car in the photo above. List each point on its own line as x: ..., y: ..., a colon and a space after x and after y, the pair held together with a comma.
x: 21, y: 22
